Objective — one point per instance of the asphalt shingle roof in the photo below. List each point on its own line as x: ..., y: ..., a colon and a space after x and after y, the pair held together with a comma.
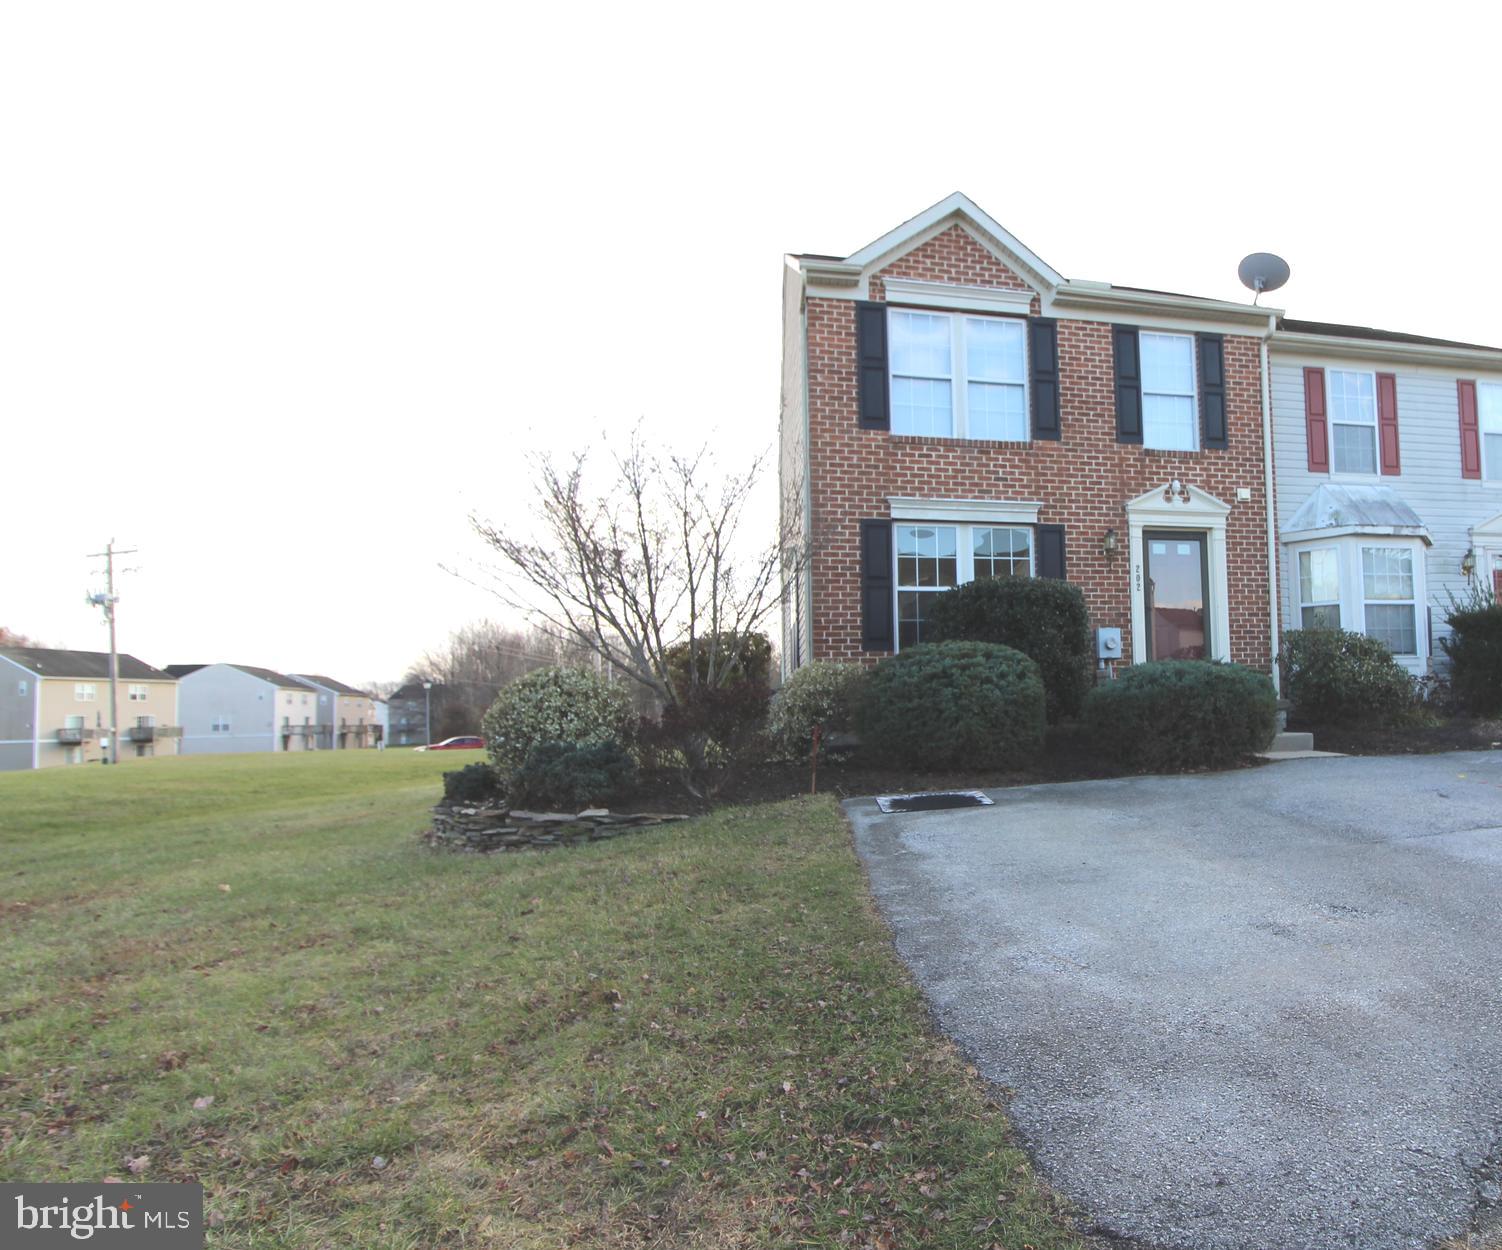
x: 49, y: 662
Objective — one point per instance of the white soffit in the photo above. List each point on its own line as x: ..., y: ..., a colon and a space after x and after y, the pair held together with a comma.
x: 987, y: 299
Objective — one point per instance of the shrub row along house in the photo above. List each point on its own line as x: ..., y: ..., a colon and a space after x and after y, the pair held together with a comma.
x: 54, y: 709
x: 1209, y: 473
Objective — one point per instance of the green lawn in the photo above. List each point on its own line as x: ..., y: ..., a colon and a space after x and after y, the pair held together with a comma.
x: 695, y: 1036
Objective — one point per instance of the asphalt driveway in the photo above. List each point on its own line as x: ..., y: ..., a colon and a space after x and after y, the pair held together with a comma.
x: 1259, y: 1009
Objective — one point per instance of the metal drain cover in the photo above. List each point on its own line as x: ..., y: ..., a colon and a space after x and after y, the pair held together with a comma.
x: 932, y: 801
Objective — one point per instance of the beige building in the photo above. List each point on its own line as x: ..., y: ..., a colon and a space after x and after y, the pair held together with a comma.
x: 55, y: 708
x: 349, y: 717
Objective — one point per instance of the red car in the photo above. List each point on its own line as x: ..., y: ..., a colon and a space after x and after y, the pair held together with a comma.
x: 465, y: 742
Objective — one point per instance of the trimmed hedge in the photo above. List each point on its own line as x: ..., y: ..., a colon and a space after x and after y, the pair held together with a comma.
x: 823, y: 692
x: 1174, y: 715
x: 555, y: 705
x: 567, y: 775
x: 1043, y: 618
x: 1337, y: 677
x: 974, y: 705
x: 1475, y: 650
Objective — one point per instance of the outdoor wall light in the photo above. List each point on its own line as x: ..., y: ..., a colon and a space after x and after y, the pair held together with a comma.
x: 1468, y: 563
x: 1109, y: 545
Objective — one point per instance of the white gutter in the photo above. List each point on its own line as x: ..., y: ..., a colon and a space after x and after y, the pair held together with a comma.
x: 1298, y: 343
x: 1270, y: 500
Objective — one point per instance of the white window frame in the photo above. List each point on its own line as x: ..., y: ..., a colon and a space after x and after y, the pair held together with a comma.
x: 1491, y: 474
x: 1194, y: 389
x: 136, y: 693
x: 964, y: 569
x: 1298, y: 584
x: 959, y: 375
x: 85, y: 692
x: 1375, y: 427
x: 1412, y: 601
x: 1353, y: 598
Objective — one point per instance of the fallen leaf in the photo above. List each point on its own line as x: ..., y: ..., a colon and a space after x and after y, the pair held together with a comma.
x: 378, y: 1163
x: 223, y: 889
x: 137, y: 1165
x: 204, y: 1103
x: 287, y: 1164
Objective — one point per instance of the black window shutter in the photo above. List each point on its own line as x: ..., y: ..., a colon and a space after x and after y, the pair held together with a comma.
x: 871, y: 355
x: 878, y: 608
x: 1051, y: 551
x: 1043, y: 344
x: 1128, y: 384
x: 1212, y: 371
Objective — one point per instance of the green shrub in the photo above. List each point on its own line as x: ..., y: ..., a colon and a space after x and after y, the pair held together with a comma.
x: 570, y: 705
x: 1043, y: 618
x: 475, y: 783
x: 568, y: 775
x: 823, y: 692
x: 743, y: 658
x: 1475, y: 650
x: 1172, y: 715
x: 1336, y: 677
x: 973, y: 705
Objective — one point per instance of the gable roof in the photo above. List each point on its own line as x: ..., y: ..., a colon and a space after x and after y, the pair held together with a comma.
x: 1335, y: 330
x: 328, y: 683
x: 93, y: 665
x: 182, y: 670
x: 265, y: 674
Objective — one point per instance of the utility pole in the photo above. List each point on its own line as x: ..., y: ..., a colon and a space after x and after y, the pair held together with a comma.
x: 107, y: 601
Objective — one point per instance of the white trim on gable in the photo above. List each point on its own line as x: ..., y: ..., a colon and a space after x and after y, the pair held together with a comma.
x: 986, y: 299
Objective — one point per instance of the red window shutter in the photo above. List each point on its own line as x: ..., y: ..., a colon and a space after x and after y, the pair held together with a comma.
x: 1387, y: 423
x: 1470, y: 430
x: 1315, y: 426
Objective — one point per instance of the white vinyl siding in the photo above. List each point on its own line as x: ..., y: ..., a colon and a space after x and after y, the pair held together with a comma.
x: 1168, y: 391
x: 954, y: 376
x: 1353, y: 421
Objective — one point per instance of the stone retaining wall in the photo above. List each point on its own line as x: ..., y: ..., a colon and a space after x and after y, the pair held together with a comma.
x: 467, y: 827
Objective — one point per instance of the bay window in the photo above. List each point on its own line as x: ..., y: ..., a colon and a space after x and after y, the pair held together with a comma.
x: 958, y: 377
x: 1168, y: 391
x: 1389, y: 606
x: 934, y: 558
x: 1319, y: 588
x: 1353, y: 422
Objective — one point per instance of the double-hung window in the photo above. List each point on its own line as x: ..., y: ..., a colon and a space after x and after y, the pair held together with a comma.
x: 934, y: 558
x: 1168, y: 391
x: 136, y: 694
x: 1353, y: 421
x: 1319, y: 588
x: 83, y: 692
x: 1489, y: 415
x: 1388, y: 602
x: 958, y: 377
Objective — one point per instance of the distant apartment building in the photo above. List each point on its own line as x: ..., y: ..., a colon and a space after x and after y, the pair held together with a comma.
x: 346, y: 716
x: 55, y: 708
x: 229, y: 708
x: 407, y: 714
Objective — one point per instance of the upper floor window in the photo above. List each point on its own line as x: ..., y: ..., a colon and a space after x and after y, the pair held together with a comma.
x: 1168, y: 391
x: 1353, y: 421
x: 933, y: 558
x: 958, y: 377
x: 83, y: 692
x: 1489, y: 416
x: 137, y: 694
x: 220, y: 725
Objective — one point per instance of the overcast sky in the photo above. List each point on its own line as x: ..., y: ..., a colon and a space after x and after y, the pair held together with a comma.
x: 287, y: 289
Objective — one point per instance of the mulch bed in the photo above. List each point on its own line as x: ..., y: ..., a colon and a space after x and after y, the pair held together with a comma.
x: 1455, y: 734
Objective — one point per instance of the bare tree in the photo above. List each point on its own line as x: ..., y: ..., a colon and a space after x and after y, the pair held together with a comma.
x: 11, y: 638
x: 655, y: 561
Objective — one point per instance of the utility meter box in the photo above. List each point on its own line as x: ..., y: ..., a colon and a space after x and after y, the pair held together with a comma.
x: 1108, y: 644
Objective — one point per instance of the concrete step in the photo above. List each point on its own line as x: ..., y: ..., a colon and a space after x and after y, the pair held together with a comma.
x: 1286, y: 741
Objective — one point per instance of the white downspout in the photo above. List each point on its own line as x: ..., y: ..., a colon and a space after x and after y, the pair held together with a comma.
x: 1270, y: 497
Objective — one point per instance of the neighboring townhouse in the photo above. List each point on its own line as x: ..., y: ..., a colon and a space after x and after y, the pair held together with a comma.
x: 55, y: 708
x: 227, y: 708
x: 347, y: 716
x: 1389, y: 479
x: 407, y: 714
x: 954, y: 408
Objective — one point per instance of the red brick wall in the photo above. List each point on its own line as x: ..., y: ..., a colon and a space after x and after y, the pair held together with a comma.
x: 1084, y: 480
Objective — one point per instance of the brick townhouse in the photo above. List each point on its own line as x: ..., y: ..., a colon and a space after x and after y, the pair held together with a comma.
x: 953, y: 408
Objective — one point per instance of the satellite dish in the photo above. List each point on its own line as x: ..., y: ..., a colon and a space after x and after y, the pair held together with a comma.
x: 1262, y: 271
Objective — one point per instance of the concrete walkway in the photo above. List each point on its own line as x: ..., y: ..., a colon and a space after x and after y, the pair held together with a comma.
x: 1249, y: 1010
